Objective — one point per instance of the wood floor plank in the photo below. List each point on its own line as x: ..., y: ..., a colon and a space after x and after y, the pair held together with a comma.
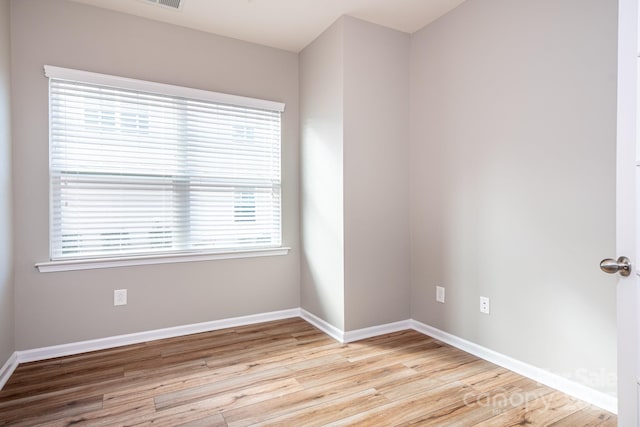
x: 117, y: 415
x: 216, y: 420
x: 401, y: 343
x: 329, y: 411
x: 195, y: 409
x: 134, y: 388
x: 491, y: 379
x: 58, y: 382
x: 284, y: 373
x: 49, y: 411
x: 311, y: 397
x: 509, y: 391
x: 439, y: 358
x: 409, y: 385
x: 543, y: 411
x: 404, y: 410
x: 588, y: 417
x: 285, y: 352
x: 165, y: 369
x: 457, y: 371
x: 463, y: 413
x: 242, y: 384
x: 314, y: 376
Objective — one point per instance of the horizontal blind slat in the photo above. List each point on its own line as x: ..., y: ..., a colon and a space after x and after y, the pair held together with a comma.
x: 139, y: 173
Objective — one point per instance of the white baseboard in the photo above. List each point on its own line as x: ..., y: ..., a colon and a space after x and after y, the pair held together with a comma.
x: 140, y: 337
x: 323, y: 325
x: 7, y: 369
x: 356, y: 335
x: 374, y: 331
x: 572, y: 388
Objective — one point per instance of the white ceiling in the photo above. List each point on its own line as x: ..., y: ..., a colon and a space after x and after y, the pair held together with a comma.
x: 284, y: 24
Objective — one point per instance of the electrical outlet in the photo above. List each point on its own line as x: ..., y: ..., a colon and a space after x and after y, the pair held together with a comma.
x: 120, y: 297
x: 485, y: 306
x: 440, y: 294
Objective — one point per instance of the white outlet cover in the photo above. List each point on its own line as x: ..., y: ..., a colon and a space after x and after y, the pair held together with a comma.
x: 440, y: 294
x: 120, y: 297
x: 485, y: 305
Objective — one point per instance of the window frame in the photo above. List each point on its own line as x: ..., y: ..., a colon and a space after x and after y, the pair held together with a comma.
x: 118, y: 260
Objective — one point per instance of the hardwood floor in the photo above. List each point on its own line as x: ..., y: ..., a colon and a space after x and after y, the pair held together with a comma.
x: 284, y: 373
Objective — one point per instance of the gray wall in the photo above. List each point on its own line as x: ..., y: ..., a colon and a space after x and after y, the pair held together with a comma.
x: 513, y: 130
x: 321, y: 208
x: 55, y: 308
x: 6, y: 230
x: 376, y: 177
x: 354, y: 91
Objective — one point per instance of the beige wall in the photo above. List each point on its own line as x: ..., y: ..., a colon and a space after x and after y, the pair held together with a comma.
x: 376, y: 177
x: 7, y: 346
x: 321, y: 208
x: 513, y: 127
x: 56, y: 308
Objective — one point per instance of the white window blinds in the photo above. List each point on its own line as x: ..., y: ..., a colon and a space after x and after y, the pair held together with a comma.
x: 139, y: 168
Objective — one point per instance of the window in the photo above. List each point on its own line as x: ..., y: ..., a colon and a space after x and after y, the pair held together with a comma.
x: 140, y: 168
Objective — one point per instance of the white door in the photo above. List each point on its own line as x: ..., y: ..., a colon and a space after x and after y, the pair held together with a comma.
x: 627, y: 214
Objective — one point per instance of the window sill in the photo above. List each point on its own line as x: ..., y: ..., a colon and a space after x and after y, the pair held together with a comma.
x: 90, y: 264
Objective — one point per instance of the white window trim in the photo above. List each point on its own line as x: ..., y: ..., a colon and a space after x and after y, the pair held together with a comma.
x: 166, y: 89
x: 98, y: 263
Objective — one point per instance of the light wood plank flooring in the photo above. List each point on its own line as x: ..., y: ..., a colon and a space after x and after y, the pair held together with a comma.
x: 284, y: 373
